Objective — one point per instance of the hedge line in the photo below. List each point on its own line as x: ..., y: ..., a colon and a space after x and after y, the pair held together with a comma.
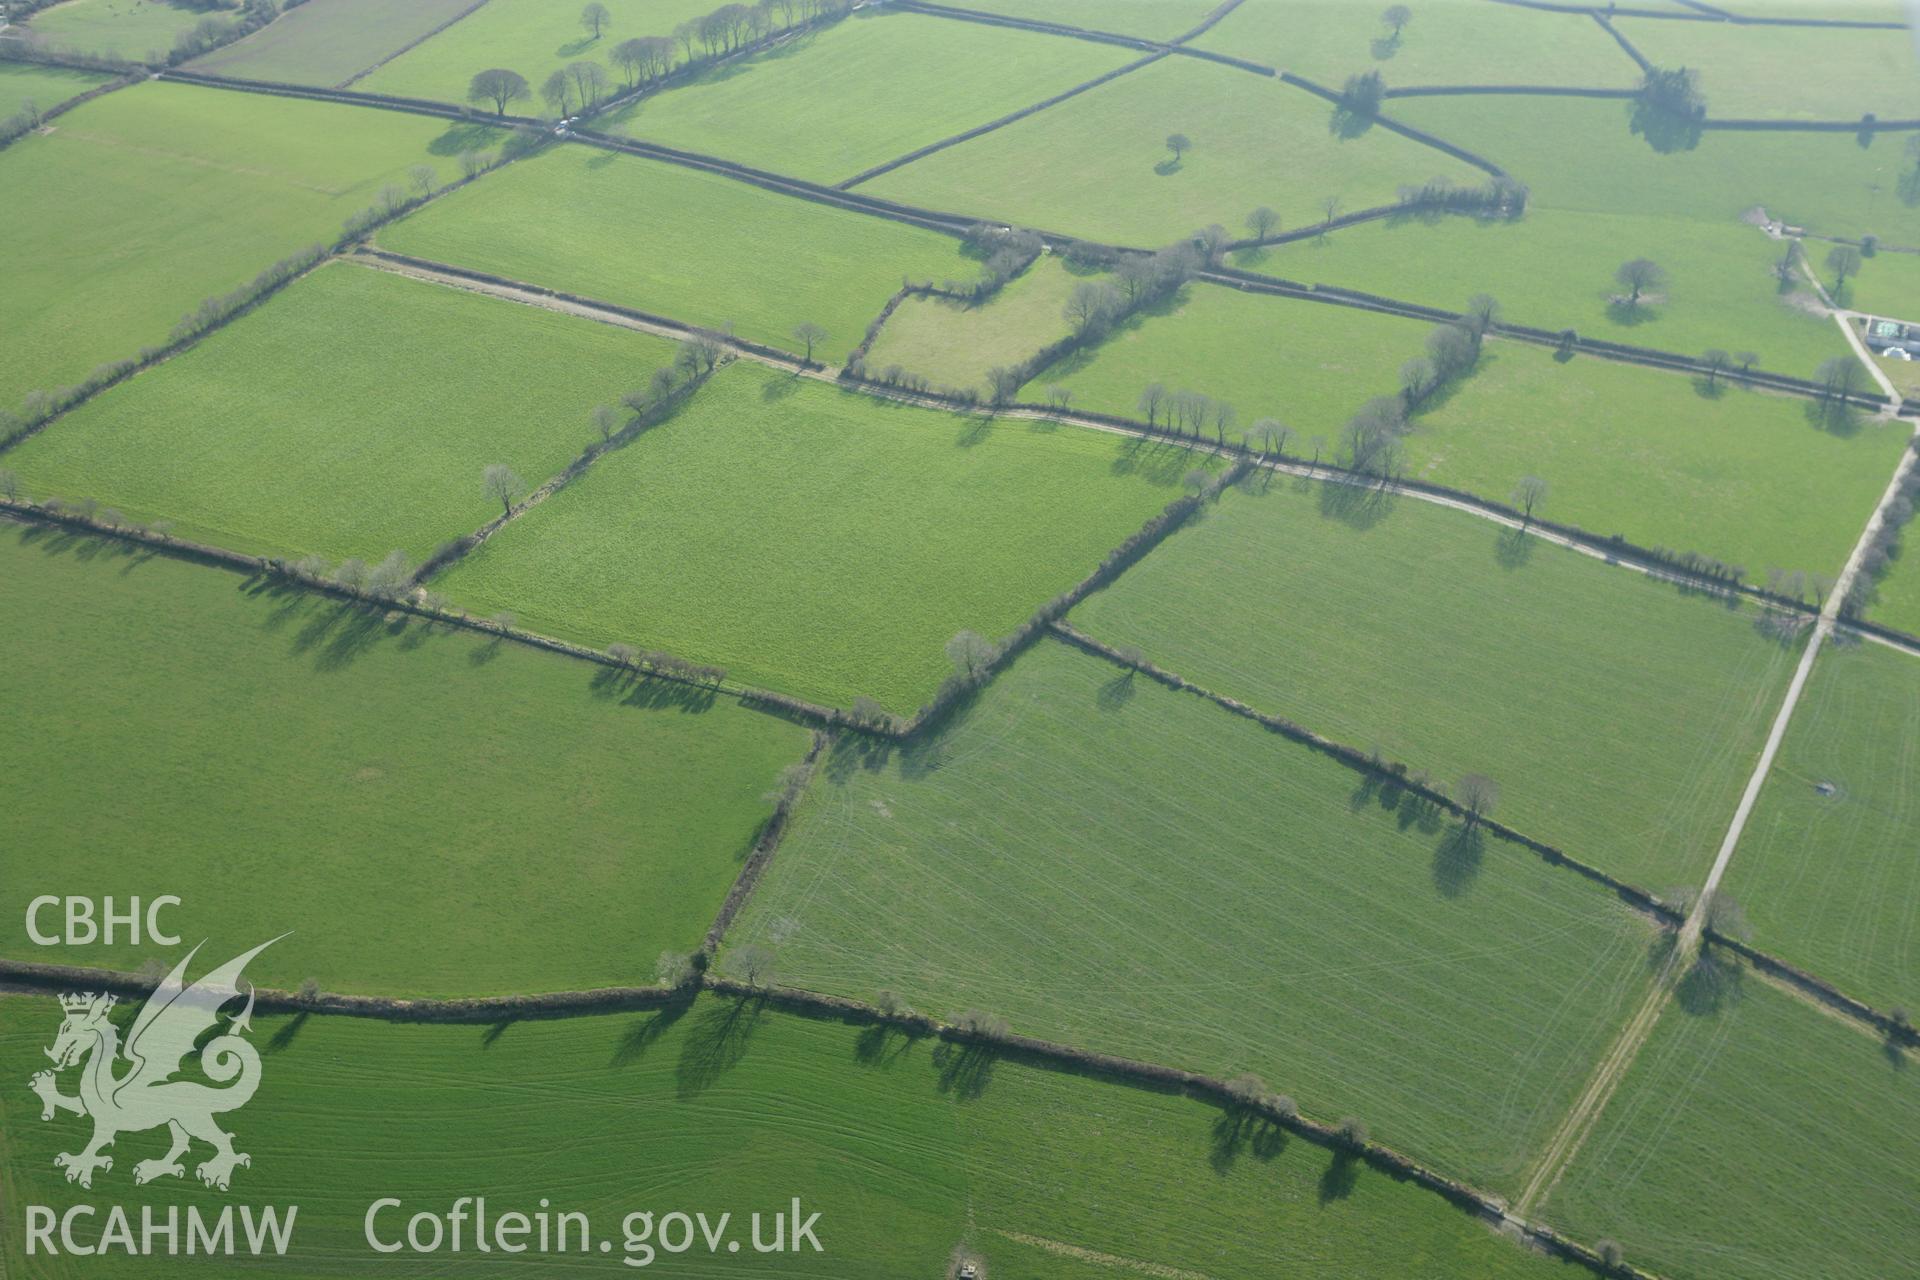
x: 350, y: 97
x: 1640, y: 59
x: 1534, y: 90
x: 989, y: 127
x: 1027, y: 24
x: 1103, y: 1067
x: 22, y: 123
x: 768, y: 843
x: 410, y: 45
x: 1209, y: 22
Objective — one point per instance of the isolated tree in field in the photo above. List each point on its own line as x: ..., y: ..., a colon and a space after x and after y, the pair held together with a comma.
x: 1179, y: 144
x: 423, y: 176
x: 502, y: 485
x: 972, y: 654
x: 1478, y: 795
x: 1843, y: 260
x: 557, y: 93
x: 1396, y: 17
x: 1716, y: 362
x: 498, y: 86
x: 606, y: 420
x: 595, y: 18
x: 1528, y: 494
x: 1263, y: 222
x: 1638, y: 275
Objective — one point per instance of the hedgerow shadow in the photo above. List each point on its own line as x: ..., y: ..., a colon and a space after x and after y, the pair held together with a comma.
x: 647, y: 1031
x: 965, y: 1068
x: 715, y: 1042
x: 1242, y: 1130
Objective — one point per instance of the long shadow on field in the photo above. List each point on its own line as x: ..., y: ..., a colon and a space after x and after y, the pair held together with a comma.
x: 284, y: 1037
x: 881, y: 1044
x: 1513, y: 548
x: 1359, y: 507
x: 1456, y: 859
x: 715, y: 1042
x: 644, y: 1032
x: 966, y: 1068
x: 1342, y: 1174
x: 1241, y: 1129
x: 1715, y: 981
x: 654, y: 693
x: 1116, y: 693
x: 460, y: 139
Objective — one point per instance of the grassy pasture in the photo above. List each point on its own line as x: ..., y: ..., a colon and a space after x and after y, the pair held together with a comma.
x: 816, y: 541
x: 1097, y: 165
x: 746, y: 110
x: 1828, y: 880
x: 44, y: 87
x: 328, y: 42
x: 1619, y: 719
x: 533, y: 37
x: 1888, y: 283
x: 1151, y: 19
x: 1554, y: 269
x: 1453, y: 42
x: 1791, y: 73
x: 351, y: 415
x: 225, y: 187
x: 1107, y: 862
x: 1754, y: 1138
x: 433, y: 813
x: 715, y: 251
x: 904, y: 1152
x: 1306, y: 363
x: 1745, y: 476
x: 1579, y: 155
x: 955, y: 343
x: 133, y: 29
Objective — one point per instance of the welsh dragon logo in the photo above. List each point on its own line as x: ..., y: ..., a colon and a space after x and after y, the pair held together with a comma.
x: 147, y: 1096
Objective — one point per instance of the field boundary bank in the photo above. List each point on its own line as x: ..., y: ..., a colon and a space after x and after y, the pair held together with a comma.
x: 1615, y: 551
x: 58, y: 109
x: 1209, y: 22
x: 1404, y: 130
x: 1039, y: 25
x: 1811, y: 126
x: 347, y: 97
x: 991, y: 126
x: 766, y: 701
x: 1517, y: 90
x: 771, y: 834
x: 1632, y: 50
x: 411, y: 45
x: 1381, y: 771
x: 1732, y: 19
x: 25, y: 978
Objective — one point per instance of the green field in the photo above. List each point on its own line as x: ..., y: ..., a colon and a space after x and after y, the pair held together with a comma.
x: 329, y: 42
x: 533, y: 37
x: 44, y: 87
x: 1554, y: 269
x: 1825, y: 871
x: 1152, y: 19
x: 352, y: 415
x: 956, y: 343
x: 1107, y: 862
x: 138, y: 30
x: 716, y: 251
x: 1740, y: 475
x: 816, y: 541
x: 1619, y: 719
x: 165, y: 194
x: 1896, y: 597
x: 1579, y: 155
x: 746, y: 110
x: 1754, y: 1141
x: 904, y: 1149
x: 1306, y: 364
x: 1792, y: 73
x: 1888, y: 283
x: 1450, y: 42
x: 431, y: 812
x: 1097, y: 166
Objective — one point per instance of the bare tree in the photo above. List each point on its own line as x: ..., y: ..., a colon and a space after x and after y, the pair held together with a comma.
x: 1212, y: 241
x: 498, y: 86
x: 1528, y: 494
x: 1179, y: 144
x: 1263, y: 222
x: 589, y: 82
x: 1452, y: 349
x: 595, y: 18
x: 1330, y: 208
x: 9, y: 485
x: 1059, y: 397
x: 1744, y: 362
x: 1716, y: 362
x: 972, y: 655
x: 474, y: 163
x: 673, y: 968
x: 557, y: 92
x: 1089, y: 305
x: 811, y: 335
x: 1003, y: 383
x: 1396, y: 17
x: 1843, y: 260
x: 1640, y: 275
x: 753, y: 964
x: 1478, y: 795
x: 606, y: 420
x: 423, y: 176
x: 502, y: 485
x: 1481, y: 317
x: 1417, y: 381
x: 1152, y: 399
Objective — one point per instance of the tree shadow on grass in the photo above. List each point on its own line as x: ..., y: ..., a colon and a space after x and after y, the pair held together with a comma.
x: 881, y: 1044
x: 715, y: 1042
x: 650, y: 692
x: 1347, y: 125
x: 1243, y: 1131
x: 776, y: 389
x: 965, y: 1067
x: 1359, y: 507
x: 646, y: 1031
x: 1513, y: 548
x: 459, y: 139
x: 1456, y: 859
x: 284, y: 1036
x: 1631, y: 315
x: 856, y: 752
x: 1714, y: 982
x: 1342, y: 1175
x: 1116, y: 693
x: 1835, y: 417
